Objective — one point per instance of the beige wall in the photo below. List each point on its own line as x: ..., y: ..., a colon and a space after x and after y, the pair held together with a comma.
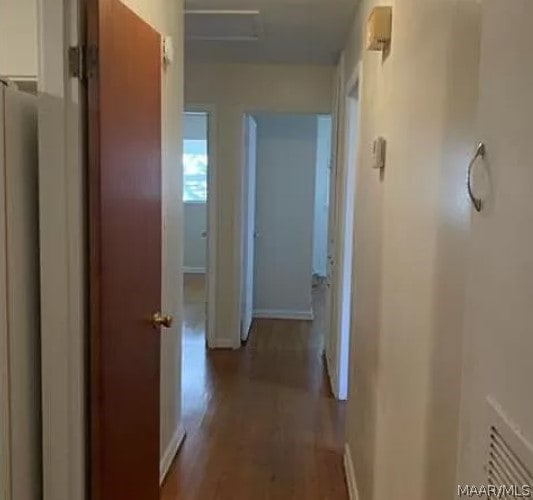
x: 411, y: 230
x: 166, y: 16
x: 18, y: 38
x: 234, y: 89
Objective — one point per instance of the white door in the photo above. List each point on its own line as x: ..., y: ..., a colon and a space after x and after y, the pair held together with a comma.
x: 249, y: 239
x: 497, y: 419
x: 331, y: 310
x: 340, y: 239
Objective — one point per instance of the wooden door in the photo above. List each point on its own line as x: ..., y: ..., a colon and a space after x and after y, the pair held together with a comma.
x: 125, y: 262
x: 497, y: 432
x: 250, y: 173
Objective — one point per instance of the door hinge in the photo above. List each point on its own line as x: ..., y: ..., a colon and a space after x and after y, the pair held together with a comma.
x: 82, y: 62
x: 77, y: 62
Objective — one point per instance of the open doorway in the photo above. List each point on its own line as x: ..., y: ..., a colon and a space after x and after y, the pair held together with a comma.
x: 341, y: 237
x: 198, y: 253
x: 285, y: 218
x: 195, y: 201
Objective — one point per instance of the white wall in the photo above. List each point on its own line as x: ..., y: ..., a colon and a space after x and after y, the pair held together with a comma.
x: 235, y: 89
x: 18, y: 38
x: 320, y: 234
x: 19, y: 294
x: 195, y: 214
x: 195, y: 244
x: 166, y: 16
x: 411, y: 231
x: 284, y: 219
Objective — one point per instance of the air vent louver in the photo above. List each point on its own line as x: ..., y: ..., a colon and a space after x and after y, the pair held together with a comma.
x: 509, y: 454
x: 504, y: 466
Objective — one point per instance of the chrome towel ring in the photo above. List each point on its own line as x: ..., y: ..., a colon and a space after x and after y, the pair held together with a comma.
x: 480, y: 153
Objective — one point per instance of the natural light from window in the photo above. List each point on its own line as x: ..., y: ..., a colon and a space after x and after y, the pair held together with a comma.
x: 195, y: 164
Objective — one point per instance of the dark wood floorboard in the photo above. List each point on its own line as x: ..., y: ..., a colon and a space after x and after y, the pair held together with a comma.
x: 261, y: 422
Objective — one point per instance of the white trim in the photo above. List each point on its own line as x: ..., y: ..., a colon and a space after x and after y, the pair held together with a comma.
x: 342, y: 284
x: 171, y: 452
x: 5, y: 413
x: 194, y: 270
x: 335, y: 167
x: 239, y: 233
x: 284, y: 314
x: 225, y: 344
x: 62, y: 244
x: 349, y: 472
x: 212, y: 219
x: 195, y: 202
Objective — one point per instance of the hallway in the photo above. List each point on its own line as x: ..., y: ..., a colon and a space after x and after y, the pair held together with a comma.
x: 261, y: 423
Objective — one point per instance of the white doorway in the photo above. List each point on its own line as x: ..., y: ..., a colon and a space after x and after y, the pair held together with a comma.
x: 341, y: 237
x: 199, y: 227
x: 286, y: 178
x: 285, y: 181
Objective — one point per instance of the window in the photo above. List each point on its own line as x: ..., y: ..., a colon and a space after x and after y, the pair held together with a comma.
x: 195, y: 165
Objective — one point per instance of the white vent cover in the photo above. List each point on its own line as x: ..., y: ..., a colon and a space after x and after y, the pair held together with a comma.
x: 509, y: 454
x: 223, y: 25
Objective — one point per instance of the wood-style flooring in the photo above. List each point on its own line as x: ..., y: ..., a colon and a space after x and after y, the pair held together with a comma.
x: 261, y: 422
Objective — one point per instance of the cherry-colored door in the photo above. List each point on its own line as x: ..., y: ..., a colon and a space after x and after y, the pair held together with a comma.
x: 124, y: 105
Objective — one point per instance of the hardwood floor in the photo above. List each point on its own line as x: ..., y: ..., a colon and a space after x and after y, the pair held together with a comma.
x: 261, y: 422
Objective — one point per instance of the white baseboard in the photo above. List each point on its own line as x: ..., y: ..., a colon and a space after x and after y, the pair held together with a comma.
x: 171, y: 451
x: 194, y: 270
x: 350, y: 474
x: 224, y: 344
x: 284, y: 314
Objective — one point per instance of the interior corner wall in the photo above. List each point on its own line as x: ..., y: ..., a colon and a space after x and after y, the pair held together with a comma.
x: 233, y: 90
x: 285, y: 195
x: 18, y: 39
x: 166, y: 16
x: 409, y: 259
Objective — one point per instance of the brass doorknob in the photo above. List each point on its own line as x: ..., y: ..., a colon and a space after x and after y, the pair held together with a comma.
x: 161, y: 320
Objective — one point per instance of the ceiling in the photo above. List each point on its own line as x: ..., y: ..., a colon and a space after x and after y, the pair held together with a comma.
x: 284, y: 31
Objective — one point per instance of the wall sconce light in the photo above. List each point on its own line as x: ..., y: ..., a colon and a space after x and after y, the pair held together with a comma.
x: 379, y: 28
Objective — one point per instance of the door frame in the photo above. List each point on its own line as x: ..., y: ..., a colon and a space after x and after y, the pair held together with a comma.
x: 342, y: 283
x: 245, y: 190
x: 5, y: 412
x: 212, y: 217
x: 62, y: 242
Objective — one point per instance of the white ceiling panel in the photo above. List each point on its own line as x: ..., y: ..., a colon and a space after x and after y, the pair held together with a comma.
x: 284, y: 31
x: 227, y: 25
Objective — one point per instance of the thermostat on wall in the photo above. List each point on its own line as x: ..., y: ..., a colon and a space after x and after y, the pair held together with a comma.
x: 379, y: 152
x: 379, y: 28
x: 168, y: 50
